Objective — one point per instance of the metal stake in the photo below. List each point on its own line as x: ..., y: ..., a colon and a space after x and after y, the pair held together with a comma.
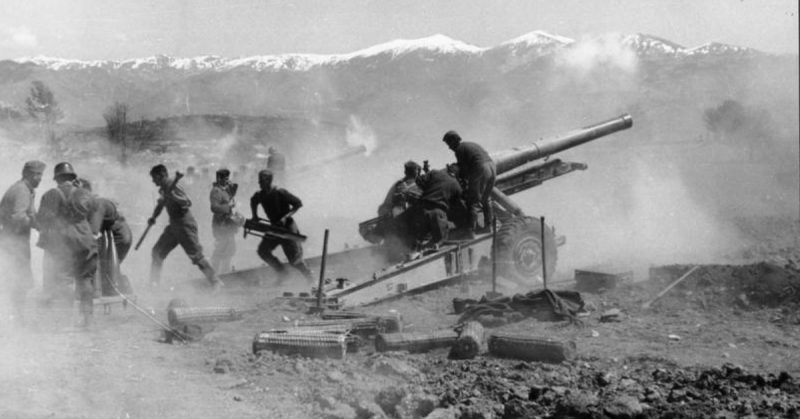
x: 544, y: 256
x: 322, y: 271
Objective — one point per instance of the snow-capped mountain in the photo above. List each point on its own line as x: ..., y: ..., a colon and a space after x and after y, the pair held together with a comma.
x: 389, y: 77
x: 650, y: 46
x: 533, y: 45
x: 717, y: 48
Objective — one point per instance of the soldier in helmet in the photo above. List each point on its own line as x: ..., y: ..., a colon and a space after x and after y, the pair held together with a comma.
x: 66, y: 234
x: 17, y: 217
x: 478, y: 171
x: 54, y: 281
x: 225, y: 221
x: 279, y: 205
x: 181, y: 230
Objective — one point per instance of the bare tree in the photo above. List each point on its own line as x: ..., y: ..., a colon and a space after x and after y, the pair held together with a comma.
x: 116, y: 117
x: 42, y: 104
x: 750, y: 127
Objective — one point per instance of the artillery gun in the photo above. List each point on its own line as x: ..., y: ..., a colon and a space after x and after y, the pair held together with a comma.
x: 519, y: 236
x: 370, y: 274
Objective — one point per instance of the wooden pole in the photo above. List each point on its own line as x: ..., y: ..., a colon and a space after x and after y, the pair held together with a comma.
x: 669, y: 287
x: 322, y: 270
x: 494, y: 255
x: 544, y: 255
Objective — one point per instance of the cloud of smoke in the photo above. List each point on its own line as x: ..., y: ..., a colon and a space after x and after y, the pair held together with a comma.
x: 606, y: 52
x: 359, y: 134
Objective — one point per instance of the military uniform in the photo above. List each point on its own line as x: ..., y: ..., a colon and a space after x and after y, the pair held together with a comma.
x: 276, y: 203
x: 81, y: 247
x: 106, y: 220
x: 223, y: 225
x: 16, y: 219
x: 397, y: 198
x: 441, y: 195
x: 181, y: 230
x: 477, y: 168
x: 55, y: 280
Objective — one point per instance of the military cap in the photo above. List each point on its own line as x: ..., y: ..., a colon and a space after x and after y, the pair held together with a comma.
x: 34, y: 166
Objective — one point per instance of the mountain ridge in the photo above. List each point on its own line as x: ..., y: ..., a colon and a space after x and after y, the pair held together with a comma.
x: 543, y: 42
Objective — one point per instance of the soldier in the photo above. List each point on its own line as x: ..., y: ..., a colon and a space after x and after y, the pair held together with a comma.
x: 225, y: 221
x: 107, y: 222
x: 17, y: 217
x: 279, y: 205
x: 181, y: 230
x: 397, y: 198
x: 441, y: 197
x: 478, y: 171
x: 64, y: 211
x: 55, y: 261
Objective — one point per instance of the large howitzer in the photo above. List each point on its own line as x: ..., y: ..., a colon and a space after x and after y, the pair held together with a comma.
x: 519, y: 237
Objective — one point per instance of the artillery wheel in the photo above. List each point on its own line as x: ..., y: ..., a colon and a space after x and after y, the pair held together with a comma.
x: 519, y: 250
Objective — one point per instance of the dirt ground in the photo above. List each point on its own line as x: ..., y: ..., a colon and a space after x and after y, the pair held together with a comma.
x: 723, y: 343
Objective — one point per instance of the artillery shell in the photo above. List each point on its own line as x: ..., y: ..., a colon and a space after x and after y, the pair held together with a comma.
x: 415, y: 342
x: 470, y: 341
x: 194, y: 315
x: 527, y: 348
x: 309, y: 343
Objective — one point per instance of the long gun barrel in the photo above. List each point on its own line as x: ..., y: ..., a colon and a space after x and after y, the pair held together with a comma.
x: 510, y: 159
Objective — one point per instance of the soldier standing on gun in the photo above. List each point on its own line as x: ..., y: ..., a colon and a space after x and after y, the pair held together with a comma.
x: 225, y: 222
x: 181, y: 230
x: 106, y: 221
x: 17, y: 217
x: 477, y: 169
x: 279, y: 205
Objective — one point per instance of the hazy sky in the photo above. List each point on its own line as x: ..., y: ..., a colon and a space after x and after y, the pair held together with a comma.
x: 122, y: 29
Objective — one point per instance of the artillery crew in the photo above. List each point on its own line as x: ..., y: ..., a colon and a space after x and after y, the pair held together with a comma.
x: 181, y: 230
x: 478, y: 171
x: 225, y: 221
x: 67, y: 238
x: 441, y: 197
x: 397, y: 198
x: 279, y: 205
x: 108, y: 225
x: 17, y: 218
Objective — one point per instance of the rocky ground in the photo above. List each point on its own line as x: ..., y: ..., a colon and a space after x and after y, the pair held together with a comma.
x: 722, y: 343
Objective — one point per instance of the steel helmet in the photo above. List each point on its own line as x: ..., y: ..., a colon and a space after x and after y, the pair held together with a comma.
x: 62, y: 169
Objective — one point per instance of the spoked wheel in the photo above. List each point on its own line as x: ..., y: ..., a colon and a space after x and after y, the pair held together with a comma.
x: 519, y: 250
